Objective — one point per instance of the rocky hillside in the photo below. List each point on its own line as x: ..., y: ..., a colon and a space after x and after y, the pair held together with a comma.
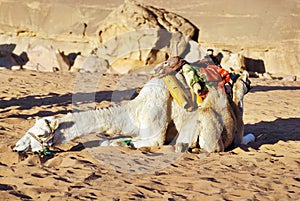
x: 265, y: 33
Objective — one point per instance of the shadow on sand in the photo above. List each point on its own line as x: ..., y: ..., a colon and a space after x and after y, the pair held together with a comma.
x: 270, y: 132
x: 260, y: 88
x: 56, y: 100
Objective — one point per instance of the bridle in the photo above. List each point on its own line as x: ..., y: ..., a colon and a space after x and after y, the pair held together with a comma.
x: 44, y: 143
x: 247, y: 84
x: 234, y: 78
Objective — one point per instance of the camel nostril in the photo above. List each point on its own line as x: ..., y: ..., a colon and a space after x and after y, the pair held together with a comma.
x: 13, y: 147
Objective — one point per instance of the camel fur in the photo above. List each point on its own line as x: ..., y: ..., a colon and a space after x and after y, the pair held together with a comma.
x: 220, y: 120
x: 146, y: 118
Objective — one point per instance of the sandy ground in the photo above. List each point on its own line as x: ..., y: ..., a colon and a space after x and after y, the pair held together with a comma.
x: 268, y: 169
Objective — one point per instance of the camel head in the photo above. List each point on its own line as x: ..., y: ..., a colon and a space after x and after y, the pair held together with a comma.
x: 39, y: 137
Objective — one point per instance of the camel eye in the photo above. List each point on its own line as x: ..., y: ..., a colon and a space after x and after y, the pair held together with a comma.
x: 166, y: 63
x: 41, y: 135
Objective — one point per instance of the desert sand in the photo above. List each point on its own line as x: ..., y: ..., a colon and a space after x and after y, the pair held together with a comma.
x: 267, y: 169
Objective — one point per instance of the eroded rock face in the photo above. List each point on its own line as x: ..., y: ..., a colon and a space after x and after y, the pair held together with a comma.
x: 45, y: 59
x: 232, y: 60
x: 91, y: 63
x: 137, y: 35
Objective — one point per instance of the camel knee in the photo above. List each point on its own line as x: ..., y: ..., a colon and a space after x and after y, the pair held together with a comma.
x: 211, y: 145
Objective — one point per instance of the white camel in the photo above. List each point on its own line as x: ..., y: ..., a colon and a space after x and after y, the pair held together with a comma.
x: 146, y: 118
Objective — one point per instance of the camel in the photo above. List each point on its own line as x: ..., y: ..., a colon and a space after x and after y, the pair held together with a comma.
x: 220, y: 120
x: 145, y: 119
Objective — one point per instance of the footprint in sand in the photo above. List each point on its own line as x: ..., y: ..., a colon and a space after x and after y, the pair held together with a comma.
x: 5, y: 187
x: 54, y: 162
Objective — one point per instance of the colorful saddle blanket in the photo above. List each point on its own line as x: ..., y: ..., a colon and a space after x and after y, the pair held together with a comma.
x: 212, y: 75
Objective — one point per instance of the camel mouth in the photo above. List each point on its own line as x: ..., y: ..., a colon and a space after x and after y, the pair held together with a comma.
x: 24, y: 150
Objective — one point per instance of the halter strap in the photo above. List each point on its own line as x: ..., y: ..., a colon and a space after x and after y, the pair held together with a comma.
x: 44, y: 143
x: 35, y: 137
x: 247, y: 84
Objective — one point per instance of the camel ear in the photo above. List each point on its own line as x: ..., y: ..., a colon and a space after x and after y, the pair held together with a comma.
x: 245, y: 75
x: 54, y: 124
x: 242, y: 69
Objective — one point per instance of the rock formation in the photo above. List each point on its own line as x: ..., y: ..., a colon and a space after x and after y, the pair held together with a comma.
x: 45, y: 58
x: 91, y: 63
x: 136, y: 35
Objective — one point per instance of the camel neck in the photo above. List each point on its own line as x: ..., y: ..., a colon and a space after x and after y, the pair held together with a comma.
x: 79, y: 124
x: 238, y: 95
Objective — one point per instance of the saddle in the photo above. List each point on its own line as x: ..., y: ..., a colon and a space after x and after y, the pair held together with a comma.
x: 209, y: 75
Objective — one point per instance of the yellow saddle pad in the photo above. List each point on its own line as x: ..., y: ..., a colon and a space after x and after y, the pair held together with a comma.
x: 177, y: 92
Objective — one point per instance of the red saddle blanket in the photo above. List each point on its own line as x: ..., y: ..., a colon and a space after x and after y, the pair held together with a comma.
x: 215, y: 75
